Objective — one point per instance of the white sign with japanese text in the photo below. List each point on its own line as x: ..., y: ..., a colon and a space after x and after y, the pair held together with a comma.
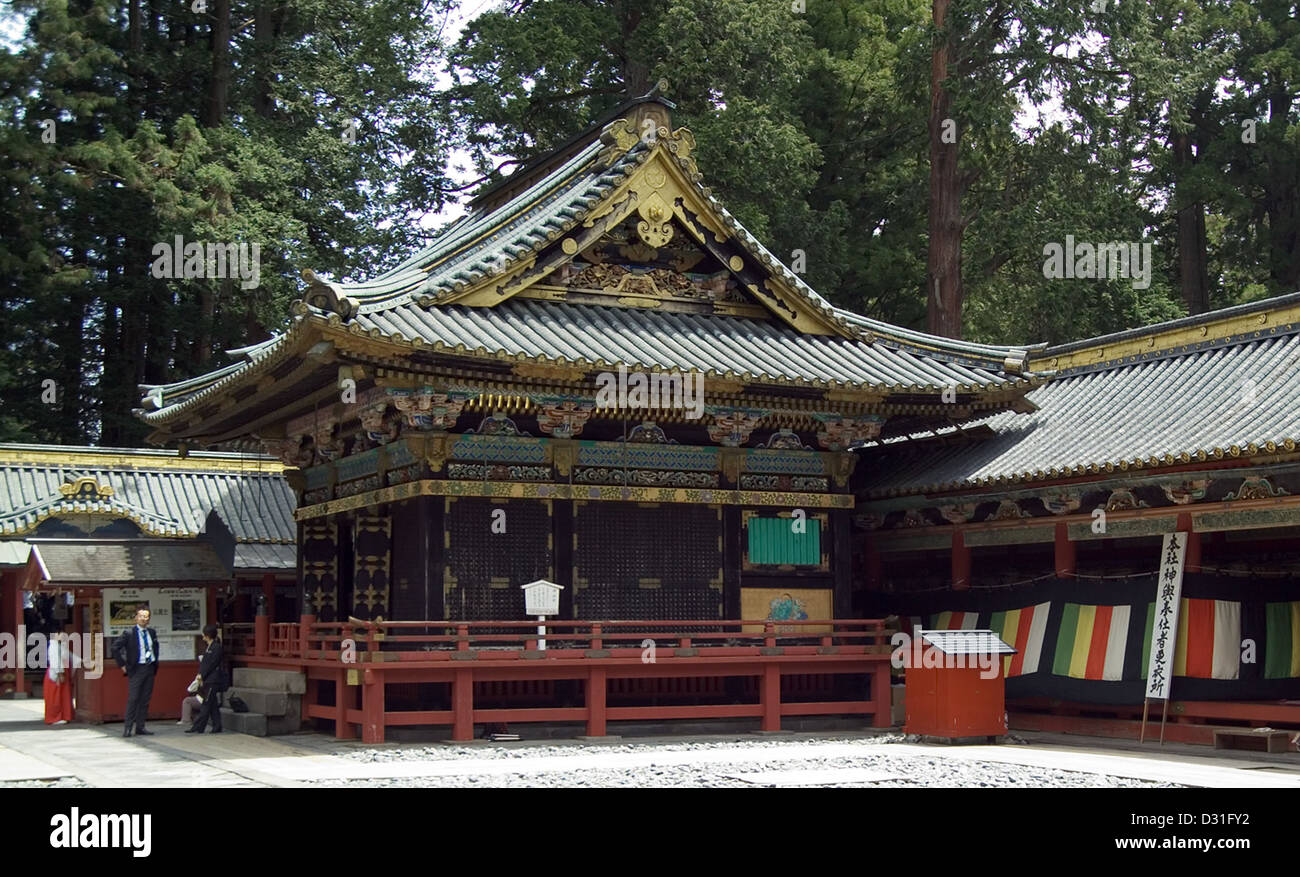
x: 1164, y: 628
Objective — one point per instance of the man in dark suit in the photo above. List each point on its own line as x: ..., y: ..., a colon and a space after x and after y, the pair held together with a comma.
x: 136, y: 652
x: 212, y: 670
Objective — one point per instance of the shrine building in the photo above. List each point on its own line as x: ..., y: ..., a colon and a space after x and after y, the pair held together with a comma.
x: 599, y: 378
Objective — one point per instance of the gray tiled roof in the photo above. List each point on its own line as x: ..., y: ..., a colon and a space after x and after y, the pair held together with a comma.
x: 156, y: 489
x: 1236, y: 399
x: 412, y: 303
x: 590, y: 334
x: 133, y: 560
x: 967, y: 642
x: 258, y: 555
x: 13, y: 552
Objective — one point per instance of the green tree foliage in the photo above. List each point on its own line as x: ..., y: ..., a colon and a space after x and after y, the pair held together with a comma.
x: 308, y: 128
x: 324, y: 130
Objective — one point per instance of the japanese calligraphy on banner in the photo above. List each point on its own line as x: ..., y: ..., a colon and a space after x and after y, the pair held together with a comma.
x: 1164, y: 629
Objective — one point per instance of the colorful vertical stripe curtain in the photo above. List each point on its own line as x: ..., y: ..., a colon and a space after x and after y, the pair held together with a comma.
x: 1282, y: 640
x: 1209, y: 639
x: 1092, y: 642
x: 1024, y: 630
x: 1099, y: 642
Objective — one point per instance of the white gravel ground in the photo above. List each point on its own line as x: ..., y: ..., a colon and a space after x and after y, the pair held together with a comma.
x: 543, y: 766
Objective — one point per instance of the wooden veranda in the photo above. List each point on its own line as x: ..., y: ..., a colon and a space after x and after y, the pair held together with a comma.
x: 350, y: 668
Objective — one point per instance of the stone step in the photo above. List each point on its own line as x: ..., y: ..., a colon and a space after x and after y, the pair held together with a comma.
x: 253, y: 724
x: 288, y: 681
x: 259, y: 700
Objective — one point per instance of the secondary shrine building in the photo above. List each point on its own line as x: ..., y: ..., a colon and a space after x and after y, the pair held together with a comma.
x: 89, y: 534
x: 1047, y: 526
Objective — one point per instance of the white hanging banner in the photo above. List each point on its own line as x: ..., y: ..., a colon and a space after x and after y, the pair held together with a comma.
x: 1164, y: 627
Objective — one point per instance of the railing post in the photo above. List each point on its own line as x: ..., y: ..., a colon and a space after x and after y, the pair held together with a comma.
x: 343, y: 700
x: 769, y: 635
x: 462, y: 637
x: 596, y: 641
x: 261, y: 630
x: 462, y: 705
x: 770, y: 697
x: 372, y: 706
x: 304, y: 634
x: 882, y: 715
x: 596, y: 702
x: 345, y: 634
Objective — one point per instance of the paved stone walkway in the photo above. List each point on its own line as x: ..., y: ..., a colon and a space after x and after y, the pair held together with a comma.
x: 99, y: 756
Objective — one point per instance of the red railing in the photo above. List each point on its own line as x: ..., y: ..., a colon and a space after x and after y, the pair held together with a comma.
x: 400, y: 641
x: 363, y: 657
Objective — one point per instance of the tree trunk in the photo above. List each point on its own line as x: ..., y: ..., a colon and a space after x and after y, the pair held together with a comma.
x: 636, y: 73
x: 1282, y: 196
x: 1193, y: 275
x: 943, y: 262
x: 219, y: 88
x: 264, y: 25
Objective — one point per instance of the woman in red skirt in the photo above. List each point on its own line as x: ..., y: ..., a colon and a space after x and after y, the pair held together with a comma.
x: 58, y: 680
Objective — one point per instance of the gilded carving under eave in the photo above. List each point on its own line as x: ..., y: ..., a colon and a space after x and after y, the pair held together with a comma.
x: 1185, y: 491
x: 1255, y: 487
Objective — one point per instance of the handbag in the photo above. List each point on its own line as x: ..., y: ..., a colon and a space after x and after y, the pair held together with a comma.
x: 237, y: 704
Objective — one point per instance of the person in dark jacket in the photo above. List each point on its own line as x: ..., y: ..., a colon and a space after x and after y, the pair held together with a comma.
x: 212, y: 670
x: 136, y: 652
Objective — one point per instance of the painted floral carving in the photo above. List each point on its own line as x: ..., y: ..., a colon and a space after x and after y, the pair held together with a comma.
x: 844, y: 433
x: 1122, y: 499
x: 1062, y: 503
x: 1255, y: 487
x: 426, y: 410
x: 731, y: 426
x: 1186, y: 491
x: 563, y: 418
x: 379, y: 428
x: 959, y: 513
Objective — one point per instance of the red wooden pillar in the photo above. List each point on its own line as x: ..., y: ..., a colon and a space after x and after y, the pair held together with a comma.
x: 881, y: 697
x: 960, y: 561
x: 372, y: 706
x: 1066, y: 553
x: 771, y: 697
x: 261, y: 635
x: 344, y: 698
x: 596, y: 702
x: 1192, y: 560
x: 462, y: 705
